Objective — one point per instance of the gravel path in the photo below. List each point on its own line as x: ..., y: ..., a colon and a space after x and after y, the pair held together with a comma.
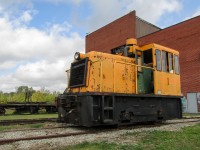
x: 117, y: 136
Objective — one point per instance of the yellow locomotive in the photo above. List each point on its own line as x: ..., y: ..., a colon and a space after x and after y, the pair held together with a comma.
x: 134, y: 84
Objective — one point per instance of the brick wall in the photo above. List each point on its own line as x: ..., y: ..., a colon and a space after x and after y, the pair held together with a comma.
x: 112, y: 35
x: 184, y: 37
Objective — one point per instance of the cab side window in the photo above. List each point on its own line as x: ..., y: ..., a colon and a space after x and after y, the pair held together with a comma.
x: 164, y: 61
x: 176, y: 64
x: 170, y: 61
x: 158, y: 60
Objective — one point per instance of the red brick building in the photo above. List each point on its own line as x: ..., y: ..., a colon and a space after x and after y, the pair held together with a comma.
x: 184, y: 37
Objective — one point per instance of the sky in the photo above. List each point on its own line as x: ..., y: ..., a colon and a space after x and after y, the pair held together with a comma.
x: 38, y: 38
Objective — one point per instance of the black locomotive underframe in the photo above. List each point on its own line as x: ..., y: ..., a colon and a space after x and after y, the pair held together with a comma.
x: 94, y: 109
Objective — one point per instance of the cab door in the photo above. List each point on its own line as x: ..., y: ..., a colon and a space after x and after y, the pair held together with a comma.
x: 144, y: 72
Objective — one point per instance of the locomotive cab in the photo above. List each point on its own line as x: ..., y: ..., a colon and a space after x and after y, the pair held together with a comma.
x: 159, y: 72
x: 157, y: 68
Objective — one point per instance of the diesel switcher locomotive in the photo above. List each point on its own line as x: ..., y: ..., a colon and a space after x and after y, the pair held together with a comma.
x: 133, y: 84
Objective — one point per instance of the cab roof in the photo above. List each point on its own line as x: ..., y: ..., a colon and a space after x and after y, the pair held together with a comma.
x: 160, y: 47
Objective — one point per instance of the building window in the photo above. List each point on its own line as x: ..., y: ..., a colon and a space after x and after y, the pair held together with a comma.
x: 176, y: 64
x: 158, y: 60
x: 164, y: 61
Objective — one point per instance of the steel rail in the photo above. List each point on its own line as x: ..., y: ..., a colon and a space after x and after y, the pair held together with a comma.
x: 5, y: 141
x: 34, y: 129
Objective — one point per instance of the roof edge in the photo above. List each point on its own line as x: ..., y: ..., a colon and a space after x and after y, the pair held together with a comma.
x: 111, y: 22
x: 170, y: 26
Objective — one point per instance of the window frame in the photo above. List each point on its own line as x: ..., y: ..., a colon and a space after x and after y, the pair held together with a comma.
x: 139, y: 68
x: 160, y: 63
x: 164, y: 60
x: 176, y: 64
x: 170, y: 62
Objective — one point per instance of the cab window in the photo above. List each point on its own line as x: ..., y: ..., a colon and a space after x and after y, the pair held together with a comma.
x: 164, y: 61
x: 148, y: 61
x: 176, y: 64
x: 158, y: 60
x: 170, y: 61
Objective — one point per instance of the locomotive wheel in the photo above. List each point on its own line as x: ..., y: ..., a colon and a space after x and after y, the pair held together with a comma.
x: 2, y: 111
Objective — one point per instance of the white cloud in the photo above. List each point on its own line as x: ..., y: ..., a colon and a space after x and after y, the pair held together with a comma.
x: 30, y: 43
x: 34, y: 57
x: 40, y: 58
x: 17, y: 12
x: 76, y: 2
x: 154, y: 9
x: 43, y: 74
x: 105, y: 11
x: 10, y: 8
x: 26, y: 17
x: 197, y: 13
x: 59, y: 29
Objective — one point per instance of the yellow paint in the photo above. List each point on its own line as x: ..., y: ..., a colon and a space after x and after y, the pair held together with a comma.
x: 131, y: 41
x: 82, y: 56
x: 109, y: 73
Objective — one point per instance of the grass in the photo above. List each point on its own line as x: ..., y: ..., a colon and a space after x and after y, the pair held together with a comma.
x: 10, y: 115
x: 187, y: 139
x: 35, y: 126
x: 191, y: 114
x: 99, y: 146
x: 28, y: 116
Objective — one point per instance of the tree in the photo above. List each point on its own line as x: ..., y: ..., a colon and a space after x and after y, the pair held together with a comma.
x: 24, y: 92
x: 22, y: 89
x: 38, y: 97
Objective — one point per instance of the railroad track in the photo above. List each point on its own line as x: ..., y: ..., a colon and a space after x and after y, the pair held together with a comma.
x: 26, y: 121
x: 42, y: 120
x: 34, y: 129
x: 5, y: 141
x: 88, y: 131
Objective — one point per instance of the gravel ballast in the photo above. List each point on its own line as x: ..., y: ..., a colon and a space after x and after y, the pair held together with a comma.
x: 110, y: 136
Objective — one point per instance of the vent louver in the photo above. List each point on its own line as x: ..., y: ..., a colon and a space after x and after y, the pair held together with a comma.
x: 78, y: 73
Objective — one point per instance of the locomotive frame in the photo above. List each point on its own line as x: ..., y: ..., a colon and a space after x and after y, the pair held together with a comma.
x: 93, y: 109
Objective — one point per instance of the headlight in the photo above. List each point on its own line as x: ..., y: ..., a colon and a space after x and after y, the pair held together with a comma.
x: 77, y: 56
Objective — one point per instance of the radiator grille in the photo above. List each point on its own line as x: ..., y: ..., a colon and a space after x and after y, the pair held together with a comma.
x: 78, y: 73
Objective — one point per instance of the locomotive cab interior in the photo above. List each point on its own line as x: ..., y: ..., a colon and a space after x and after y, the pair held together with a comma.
x: 144, y: 60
